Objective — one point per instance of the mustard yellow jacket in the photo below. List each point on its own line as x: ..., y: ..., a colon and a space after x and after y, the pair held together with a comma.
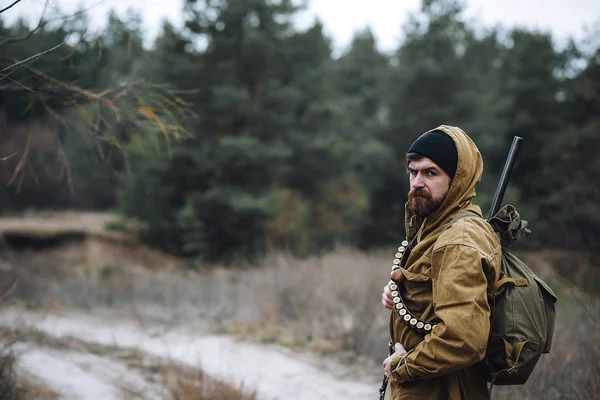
x: 446, y: 279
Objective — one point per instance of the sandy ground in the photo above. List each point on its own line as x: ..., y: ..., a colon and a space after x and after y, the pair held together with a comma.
x: 274, y: 373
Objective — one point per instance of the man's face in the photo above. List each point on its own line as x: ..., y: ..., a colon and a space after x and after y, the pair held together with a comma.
x: 429, y: 185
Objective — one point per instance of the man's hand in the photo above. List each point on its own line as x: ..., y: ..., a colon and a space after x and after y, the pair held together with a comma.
x: 386, y: 297
x: 398, y: 350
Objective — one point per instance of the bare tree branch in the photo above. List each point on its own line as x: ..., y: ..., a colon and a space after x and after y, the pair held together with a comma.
x: 86, y: 94
x: 66, y: 16
x: 10, y: 6
x: 12, y: 88
x: 23, y: 160
x: 28, y: 34
x: 8, y: 157
x: 143, y: 106
x: 33, y: 57
x: 17, y: 87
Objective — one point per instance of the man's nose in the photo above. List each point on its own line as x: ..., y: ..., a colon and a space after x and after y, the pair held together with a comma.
x: 417, y: 182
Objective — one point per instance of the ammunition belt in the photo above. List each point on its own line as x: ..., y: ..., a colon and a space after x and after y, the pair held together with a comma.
x: 408, y: 318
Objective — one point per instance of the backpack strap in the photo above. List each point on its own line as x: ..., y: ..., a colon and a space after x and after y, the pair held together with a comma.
x: 513, y: 355
x: 504, y: 280
x: 463, y: 215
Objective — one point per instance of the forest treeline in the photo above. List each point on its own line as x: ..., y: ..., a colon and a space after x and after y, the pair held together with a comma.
x: 246, y: 134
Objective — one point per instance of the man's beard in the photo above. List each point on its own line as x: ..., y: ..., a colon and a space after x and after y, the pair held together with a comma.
x: 422, y: 203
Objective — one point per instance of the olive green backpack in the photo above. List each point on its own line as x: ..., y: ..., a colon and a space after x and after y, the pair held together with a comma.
x: 523, y: 309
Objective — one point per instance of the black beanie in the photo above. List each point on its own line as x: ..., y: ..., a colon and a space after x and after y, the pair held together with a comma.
x: 440, y: 148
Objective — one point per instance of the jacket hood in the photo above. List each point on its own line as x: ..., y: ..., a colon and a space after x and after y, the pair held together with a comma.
x: 459, y: 198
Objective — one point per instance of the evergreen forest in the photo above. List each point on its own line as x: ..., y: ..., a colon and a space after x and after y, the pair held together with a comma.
x: 238, y: 133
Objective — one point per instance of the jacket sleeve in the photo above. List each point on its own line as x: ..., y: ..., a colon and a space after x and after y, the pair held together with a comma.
x: 460, y: 303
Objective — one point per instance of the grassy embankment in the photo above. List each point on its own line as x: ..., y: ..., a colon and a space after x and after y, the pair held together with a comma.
x: 329, y: 304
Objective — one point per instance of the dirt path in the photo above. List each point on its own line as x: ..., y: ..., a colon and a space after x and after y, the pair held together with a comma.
x: 274, y: 373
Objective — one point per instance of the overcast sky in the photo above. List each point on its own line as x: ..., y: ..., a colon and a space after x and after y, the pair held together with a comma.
x: 385, y: 17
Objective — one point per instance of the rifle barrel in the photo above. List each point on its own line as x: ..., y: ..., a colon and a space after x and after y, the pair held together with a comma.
x: 508, y: 166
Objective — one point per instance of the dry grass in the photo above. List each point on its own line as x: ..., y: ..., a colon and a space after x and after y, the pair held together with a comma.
x: 329, y: 304
x: 14, y: 386
x: 185, y: 383
x: 8, y: 385
x: 31, y: 389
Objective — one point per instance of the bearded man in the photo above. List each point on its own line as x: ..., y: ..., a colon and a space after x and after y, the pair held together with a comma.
x: 440, y: 315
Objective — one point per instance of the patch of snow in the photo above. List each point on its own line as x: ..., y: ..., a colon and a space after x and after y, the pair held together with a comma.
x: 66, y: 377
x: 128, y: 381
x: 272, y: 373
x: 81, y: 376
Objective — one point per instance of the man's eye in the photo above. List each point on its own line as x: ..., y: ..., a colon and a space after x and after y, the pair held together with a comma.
x: 430, y: 174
